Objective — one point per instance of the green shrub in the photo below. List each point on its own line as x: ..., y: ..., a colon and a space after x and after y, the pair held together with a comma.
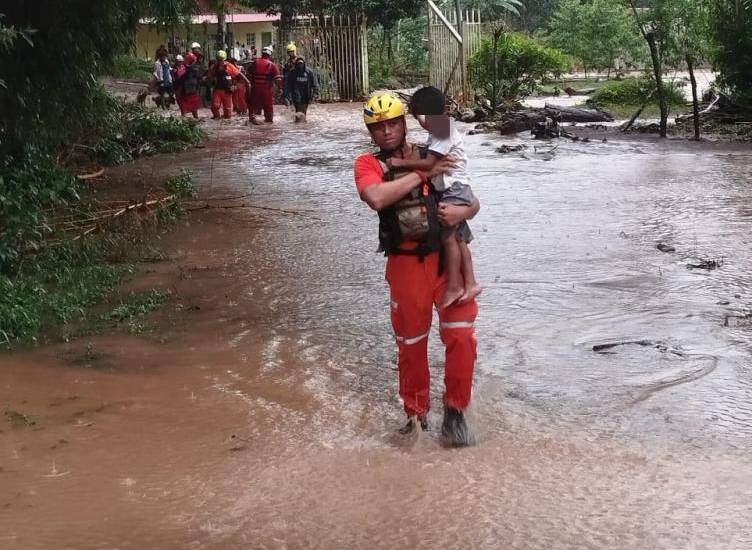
x: 57, y: 287
x: 635, y: 91
x: 29, y: 190
x: 181, y: 185
x: 125, y: 131
x: 129, y: 67
x: 510, y: 66
x: 730, y: 26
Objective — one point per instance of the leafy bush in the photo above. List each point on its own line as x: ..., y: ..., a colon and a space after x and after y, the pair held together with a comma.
x: 510, y: 65
x: 124, y: 131
x: 28, y: 191
x: 181, y: 185
x: 130, y: 67
x: 634, y: 91
x: 731, y: 29
x: 57, y: 287
x: 596, y: 33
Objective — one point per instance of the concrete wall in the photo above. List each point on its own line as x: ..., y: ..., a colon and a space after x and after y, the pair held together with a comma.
x: 148, y: 39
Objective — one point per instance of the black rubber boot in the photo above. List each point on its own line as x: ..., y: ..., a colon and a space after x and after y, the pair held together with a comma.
x: 412, y: 422
x: 454, y: 430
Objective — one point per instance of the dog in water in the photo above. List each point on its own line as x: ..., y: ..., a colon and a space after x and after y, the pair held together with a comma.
x: 141, y: 97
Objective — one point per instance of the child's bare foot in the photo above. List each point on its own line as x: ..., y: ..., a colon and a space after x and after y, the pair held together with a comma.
x: 451, y: 296
x: 471, y: 292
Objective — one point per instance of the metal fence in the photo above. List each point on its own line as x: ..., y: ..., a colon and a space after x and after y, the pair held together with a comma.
x: 445, y: 71
x: 336, y: 47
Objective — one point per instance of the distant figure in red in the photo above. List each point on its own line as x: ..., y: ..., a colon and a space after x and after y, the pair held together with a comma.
x: 264, y: 75
x: 241, y: 90
x: 223, y: 74
x: 187, y: 84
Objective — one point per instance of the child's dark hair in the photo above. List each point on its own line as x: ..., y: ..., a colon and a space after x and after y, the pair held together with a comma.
x: 428, y: 101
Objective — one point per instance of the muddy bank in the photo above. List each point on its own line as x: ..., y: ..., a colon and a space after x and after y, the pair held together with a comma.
x: 261, y: 413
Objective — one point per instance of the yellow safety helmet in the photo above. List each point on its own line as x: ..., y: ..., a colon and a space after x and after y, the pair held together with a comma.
x: 291, y: 47
x: 385, y: 106
x: 221, y: 55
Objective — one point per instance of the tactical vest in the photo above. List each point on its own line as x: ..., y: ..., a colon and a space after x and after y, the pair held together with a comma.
x: 223, y: 78
x: 259, y: 78
x: 414, y: 218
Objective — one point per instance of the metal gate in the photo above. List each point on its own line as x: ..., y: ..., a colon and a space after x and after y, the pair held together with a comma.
x: 446, y: 70
x: 336, y: 47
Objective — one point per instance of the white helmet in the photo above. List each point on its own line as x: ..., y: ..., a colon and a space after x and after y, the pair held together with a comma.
x: 179, y: 58
x: 268, y: 50
x: 195, y: 45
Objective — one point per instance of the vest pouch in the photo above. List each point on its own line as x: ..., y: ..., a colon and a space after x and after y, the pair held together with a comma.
x: 412, y: 217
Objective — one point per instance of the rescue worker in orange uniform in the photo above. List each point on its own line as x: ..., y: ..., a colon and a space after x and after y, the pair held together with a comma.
x: 410, y: 236
x: 264, y: 75
x: 223, y: 74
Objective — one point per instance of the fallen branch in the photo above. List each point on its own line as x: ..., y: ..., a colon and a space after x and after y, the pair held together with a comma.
x: 92, y: 175
x: 231, y: 206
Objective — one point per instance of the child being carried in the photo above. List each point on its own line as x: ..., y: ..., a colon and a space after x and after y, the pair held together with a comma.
x: 428, y: 105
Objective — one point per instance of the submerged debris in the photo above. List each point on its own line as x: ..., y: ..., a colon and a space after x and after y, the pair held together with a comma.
x: 504, y: 149
x: 707, y: 264
x: 667, y: 248
x: 661, y: 346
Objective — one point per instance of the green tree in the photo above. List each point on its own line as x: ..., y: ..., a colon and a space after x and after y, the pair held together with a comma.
x: 596, y: 32
x: 692, y: 44
x: 494, y: 10
x: 51, y: 90
x: 656, y: 21
x: 730, y: 23
x: 511, y: 65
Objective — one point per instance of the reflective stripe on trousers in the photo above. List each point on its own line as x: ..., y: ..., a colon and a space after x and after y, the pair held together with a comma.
x: 416, y: 288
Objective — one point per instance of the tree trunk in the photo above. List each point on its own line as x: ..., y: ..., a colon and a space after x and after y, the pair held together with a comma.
x: 658, y: 73
x: 495, y: 99
x: 389, y: 49
x: 695, y: 101
x: 221, y: 30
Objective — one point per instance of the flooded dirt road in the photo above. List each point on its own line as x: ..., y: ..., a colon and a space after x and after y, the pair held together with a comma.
x: 261, y: 413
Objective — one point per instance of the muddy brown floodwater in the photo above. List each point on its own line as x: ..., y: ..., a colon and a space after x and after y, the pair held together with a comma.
x: 261, y: 412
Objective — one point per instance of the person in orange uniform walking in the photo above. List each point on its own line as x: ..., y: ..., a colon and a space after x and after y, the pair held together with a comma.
x: 241, y: 91
x: 223, y: 74
x: 264, y: 75
x: 410, y: 220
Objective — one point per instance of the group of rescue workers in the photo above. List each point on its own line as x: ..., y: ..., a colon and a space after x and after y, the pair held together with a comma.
x: 226, y: 85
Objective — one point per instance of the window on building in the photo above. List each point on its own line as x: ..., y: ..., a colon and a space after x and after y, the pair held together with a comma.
x: 250, y: 39
x: 266, y: 39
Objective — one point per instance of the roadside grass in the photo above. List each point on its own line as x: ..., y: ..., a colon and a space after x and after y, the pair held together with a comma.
x: 129, y: 67
x: 134, y: 307
x: 624, y: 97
x: 54, y: 293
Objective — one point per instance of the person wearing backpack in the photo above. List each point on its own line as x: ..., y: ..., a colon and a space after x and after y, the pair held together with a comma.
x: 224, y: 75
x: 187, y: 83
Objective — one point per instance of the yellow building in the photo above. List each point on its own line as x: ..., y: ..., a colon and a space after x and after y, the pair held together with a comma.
x: 243, y: 29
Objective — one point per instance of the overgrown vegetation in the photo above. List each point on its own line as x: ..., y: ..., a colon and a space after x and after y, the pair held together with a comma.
x: 596, y: 33
x: 127, y: 131
x: 34, y: 188
x: 730, y: 26
x: 61, y: 284
x: 397, y: 56
x: 134, y: 307
x: 635, y: 91
x: 129, y: 67
x: 510, y: 65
